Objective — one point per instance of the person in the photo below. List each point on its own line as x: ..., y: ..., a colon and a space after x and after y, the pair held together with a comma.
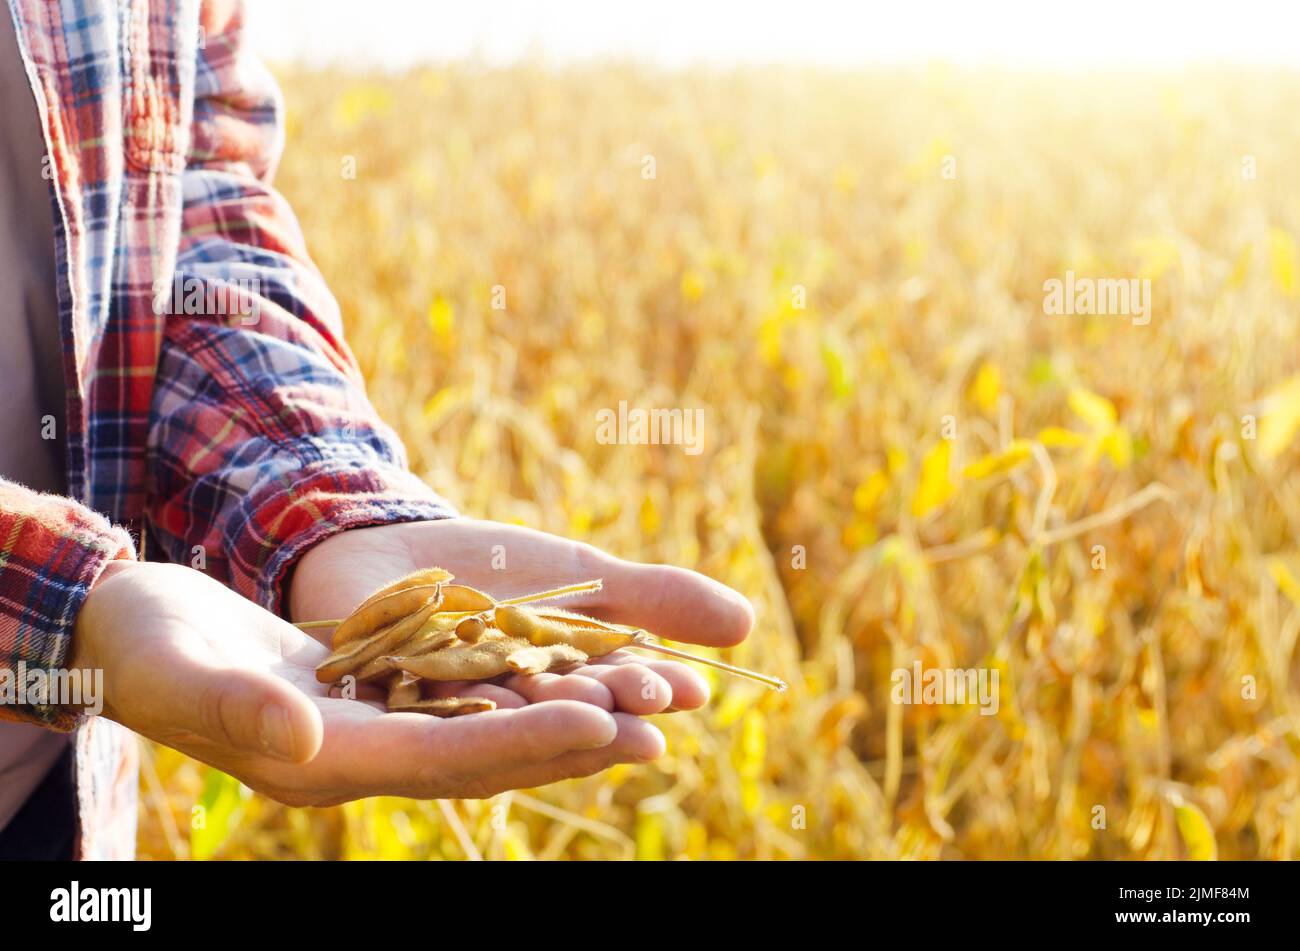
x: 237, y: 446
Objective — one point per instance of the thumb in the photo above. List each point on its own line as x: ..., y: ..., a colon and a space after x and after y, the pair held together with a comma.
x: 244, y: 711
x: 676, y: 603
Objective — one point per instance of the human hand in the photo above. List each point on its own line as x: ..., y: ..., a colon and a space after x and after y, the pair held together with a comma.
x: 192, y: 665
x: 506, y: 560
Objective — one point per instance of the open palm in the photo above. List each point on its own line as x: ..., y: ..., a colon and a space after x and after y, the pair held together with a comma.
x: 192, y: 665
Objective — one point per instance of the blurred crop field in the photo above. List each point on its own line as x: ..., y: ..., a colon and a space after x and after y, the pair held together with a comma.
x: 905, y: 458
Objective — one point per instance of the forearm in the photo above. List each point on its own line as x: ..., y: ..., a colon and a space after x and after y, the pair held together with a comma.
x: 262, y: 441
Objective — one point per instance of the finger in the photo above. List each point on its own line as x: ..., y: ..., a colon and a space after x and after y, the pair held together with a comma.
x: 637, y: 742
x: 241, y: 711
x: 690, y: 689
x: 672, y: 602
x: 635, y: 687
x: 369, y: 692
x: 540, y: 687
x: 417, y: 755
x: 504, y: 697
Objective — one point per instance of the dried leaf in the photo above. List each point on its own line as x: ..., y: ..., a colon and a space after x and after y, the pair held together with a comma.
x: 935, y: 487
x: 1196, y: 832
x: 1017, y: 452
x: 1097, y: 411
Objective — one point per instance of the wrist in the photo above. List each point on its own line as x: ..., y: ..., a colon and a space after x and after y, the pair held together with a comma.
x: 86, y: 631
x: 295, y: 593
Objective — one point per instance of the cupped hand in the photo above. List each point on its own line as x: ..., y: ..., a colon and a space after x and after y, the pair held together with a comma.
x: 190, y: 664
x: 509, y: 560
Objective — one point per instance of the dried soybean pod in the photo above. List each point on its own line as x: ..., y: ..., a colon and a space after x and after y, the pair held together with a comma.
x: 403, y: 690
x: 581, y: 620
x: 435, y: 634
x: 447, y: 706
x: 543, y: 628
x: 536, y: 660
x: 416, y: 579
x: 463, y: 661
x: 471, y: 629
x: 459, y: 598
x: 351, y: 656
x: 385, y: 611
x: 356, y: 655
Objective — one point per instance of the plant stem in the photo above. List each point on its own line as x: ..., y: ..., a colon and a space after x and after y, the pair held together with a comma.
x: 564, y: 592
x: 776, y: 683
x: 312, y: 625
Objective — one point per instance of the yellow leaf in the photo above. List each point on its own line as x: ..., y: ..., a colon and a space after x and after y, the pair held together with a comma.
x: 733, y: 706
x: 1285, y: 261
x: 1158, y: 255
x: 649, y: 837
x: 868, y: 494
x: 1054, y: 437
x: 1097, y: 411
x: 362, y: 101
x: 1148, y: 719
x: 751, y: 755
x: 437, y: 406
x: 515, y: 848
x: 839, y: 366
x: 1000, y: 463
x: 986, y: 387
x: 857, y: 534
x: 1118, y: 446
x: 649, y: 516
x: 935, y: 487
x: 692, y: 285
x: 697, y: 839
x: 1280, y: 418
x: 1197, y: 833
x: 769, y: 340
x: 1286, y: 582
x: 442, y: 318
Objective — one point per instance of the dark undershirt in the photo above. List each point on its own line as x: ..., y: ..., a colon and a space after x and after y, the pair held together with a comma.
x: 37, y: 807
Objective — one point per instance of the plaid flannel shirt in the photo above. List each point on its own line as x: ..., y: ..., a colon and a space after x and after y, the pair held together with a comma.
x: 249, y: 439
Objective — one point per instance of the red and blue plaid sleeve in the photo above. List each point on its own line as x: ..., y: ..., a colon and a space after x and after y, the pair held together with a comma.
x: 51, y: 551
x: 262, y: 441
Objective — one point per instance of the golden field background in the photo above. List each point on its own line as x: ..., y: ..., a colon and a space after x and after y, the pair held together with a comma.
x: 1122, y: 686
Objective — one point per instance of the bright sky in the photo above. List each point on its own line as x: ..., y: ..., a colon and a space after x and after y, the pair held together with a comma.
x: 1064, y: 33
